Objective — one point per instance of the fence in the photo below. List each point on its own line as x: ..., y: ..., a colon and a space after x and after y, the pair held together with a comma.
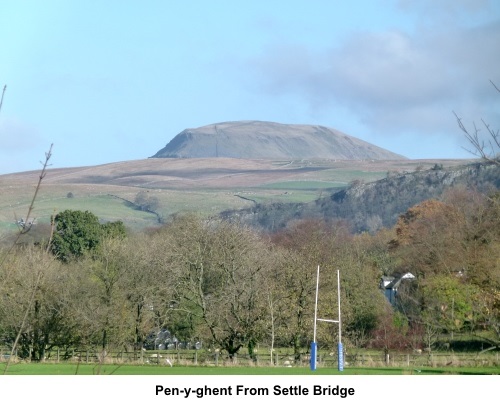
x: 281, y: 358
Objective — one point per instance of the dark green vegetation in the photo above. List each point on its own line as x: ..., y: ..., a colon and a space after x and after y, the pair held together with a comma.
x: 87, y: 285
x: 77, y: 233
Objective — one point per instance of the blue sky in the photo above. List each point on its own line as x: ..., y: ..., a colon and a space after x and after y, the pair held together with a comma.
x: 110, y: 80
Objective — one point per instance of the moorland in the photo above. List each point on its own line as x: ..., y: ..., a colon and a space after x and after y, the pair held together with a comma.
x: 170, y: 186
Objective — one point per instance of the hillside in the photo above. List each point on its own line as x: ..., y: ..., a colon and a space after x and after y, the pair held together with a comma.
x: 370, y: 206
x: 269, y: 140
x: 207, y: 186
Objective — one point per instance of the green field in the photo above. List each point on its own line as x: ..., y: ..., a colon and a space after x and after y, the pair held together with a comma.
x: 128, y: 369
x: 304, y: 185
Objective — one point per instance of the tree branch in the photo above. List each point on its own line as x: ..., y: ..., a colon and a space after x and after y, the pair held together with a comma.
x: 489, y: 152
x: 21, y: 232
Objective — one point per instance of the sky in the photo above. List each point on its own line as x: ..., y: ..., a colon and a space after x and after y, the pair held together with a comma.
x: 116, y: 80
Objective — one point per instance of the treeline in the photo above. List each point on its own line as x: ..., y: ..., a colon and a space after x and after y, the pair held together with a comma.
x: 94, y: 286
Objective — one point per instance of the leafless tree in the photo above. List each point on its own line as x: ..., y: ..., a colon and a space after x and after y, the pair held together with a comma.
x: 3, y: 93
x: 488, y: 150
x: 24, y: 228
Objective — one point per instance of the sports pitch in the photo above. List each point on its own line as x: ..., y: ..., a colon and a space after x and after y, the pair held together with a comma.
x: 128, y: 369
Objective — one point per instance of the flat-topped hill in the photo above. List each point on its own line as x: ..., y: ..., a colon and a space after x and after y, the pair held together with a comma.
x: 270, y: 140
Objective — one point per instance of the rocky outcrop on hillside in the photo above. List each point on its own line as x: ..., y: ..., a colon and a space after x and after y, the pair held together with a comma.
x: 368, y: 207
x: 270, y: 140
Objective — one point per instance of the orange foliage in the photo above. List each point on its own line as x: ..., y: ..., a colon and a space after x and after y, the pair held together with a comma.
x: 423, y: 215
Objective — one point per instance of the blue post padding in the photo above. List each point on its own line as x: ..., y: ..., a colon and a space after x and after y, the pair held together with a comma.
x: 314, y: 349
x: 341, y: 357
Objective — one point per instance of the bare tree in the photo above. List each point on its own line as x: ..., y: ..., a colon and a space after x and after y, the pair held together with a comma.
x: 221, y: 269
x: 3, y: 93
x: 23, y: 229
x: 488, y: 150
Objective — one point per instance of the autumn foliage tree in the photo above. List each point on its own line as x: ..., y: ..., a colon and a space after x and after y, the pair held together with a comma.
x: 451, y: 247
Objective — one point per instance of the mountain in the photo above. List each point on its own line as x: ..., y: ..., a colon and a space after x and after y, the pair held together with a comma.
x: 270, y: 140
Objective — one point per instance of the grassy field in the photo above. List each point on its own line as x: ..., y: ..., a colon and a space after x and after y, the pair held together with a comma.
x: 110, y: 369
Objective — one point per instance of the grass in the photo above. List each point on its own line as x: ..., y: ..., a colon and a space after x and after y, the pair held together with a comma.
x: 304, y: 185
x: 132, y: 369
x: 110, y: 206
x: 107, y: 207
x: 347, y: 175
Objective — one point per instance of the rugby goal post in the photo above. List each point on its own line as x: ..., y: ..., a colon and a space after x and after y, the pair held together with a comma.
x: 314, y: 345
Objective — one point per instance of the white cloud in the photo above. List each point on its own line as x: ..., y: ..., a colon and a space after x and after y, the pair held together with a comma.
x: 443, y: 8
x: 396, y: 81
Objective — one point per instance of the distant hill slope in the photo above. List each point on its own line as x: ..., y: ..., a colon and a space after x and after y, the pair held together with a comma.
x: 269, y: 140
x: 210, y: 186
x: 373, y: 205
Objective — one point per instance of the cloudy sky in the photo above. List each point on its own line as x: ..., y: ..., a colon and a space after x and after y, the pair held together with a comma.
x: 114, y: 80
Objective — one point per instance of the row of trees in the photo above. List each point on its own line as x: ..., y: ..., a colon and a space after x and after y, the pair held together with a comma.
x: 94, y: 286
